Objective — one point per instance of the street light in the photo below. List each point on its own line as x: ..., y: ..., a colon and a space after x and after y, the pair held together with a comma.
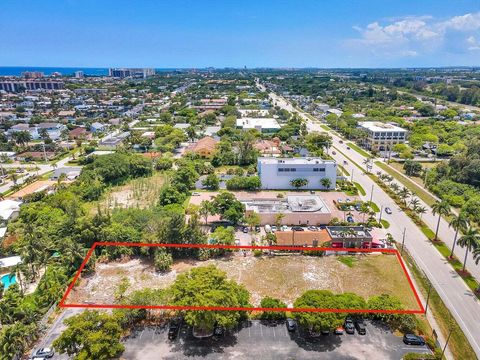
x: 371, y: 194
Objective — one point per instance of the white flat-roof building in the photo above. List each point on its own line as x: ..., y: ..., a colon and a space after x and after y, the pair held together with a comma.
x: 296, y: 209
x: 264, y: 125
x: 382, y: 136
x: 277, y: 173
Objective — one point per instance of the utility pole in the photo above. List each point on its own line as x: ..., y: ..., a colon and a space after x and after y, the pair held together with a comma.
x: 381, y: 212
x: 428, y: 295
x: 44, y: 153
x: 403, y: 239
x: 351, y: 177
x: 446, y: 342
x: 371, y: 195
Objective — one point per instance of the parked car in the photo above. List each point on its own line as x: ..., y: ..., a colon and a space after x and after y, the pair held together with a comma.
x: 360, y: 326
x: 245, y: 230
x: 45, y: 353
x: 291, y: 324
x: 350, y: 219
x: 268, y: 229
x: 325, y: 332
x: 174, y: 328
x: 274, y: 228
x: 339, y: 201
x: 411, y: 339
x: 195, y: 193
x: 312, y: 192
x: 257, y: 228
x: 334, y: 153
x: 340, y: 141
x: 358, y: 206
x: 348, y: 325
x: 312, y: 228
x: 339, y: 330
x: 297, y: 228
x: 284, y: 228
x: 388, y: 210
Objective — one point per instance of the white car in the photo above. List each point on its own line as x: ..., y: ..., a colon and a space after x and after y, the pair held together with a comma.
x: 388, y: 210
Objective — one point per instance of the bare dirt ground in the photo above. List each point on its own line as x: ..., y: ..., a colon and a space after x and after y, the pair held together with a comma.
x: 282, y: 277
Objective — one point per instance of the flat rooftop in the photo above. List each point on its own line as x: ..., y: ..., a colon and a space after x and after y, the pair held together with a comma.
x: 264, y: 123
x: 296, y: 160
x: 290, y: 204
x: 379, y: 126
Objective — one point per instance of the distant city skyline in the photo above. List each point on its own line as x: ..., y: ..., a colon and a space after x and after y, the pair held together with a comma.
x: 199, y: 34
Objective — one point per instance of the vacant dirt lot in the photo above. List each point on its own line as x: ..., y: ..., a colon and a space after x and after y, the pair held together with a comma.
x: 283, y: 277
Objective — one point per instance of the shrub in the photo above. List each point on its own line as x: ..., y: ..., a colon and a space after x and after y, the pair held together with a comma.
x: 162, y: 260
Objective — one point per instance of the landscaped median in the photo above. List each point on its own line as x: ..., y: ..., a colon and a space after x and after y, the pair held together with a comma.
x: 359, y: 150
x: 410, y: 185
x: 471, y: 282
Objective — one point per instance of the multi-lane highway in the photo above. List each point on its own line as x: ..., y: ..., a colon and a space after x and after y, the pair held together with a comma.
x: 460, y: 300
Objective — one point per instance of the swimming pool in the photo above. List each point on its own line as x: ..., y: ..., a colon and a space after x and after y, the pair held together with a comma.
x: 8, y: 280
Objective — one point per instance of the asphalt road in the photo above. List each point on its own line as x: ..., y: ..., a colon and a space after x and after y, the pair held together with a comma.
x: 256, y: 340
x: 459, y: 299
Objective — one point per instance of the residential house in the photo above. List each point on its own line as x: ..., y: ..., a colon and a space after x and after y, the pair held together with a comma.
x: 205, y: 147
x: 97, y: 127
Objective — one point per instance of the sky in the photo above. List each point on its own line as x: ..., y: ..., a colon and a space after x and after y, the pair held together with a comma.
x: 251, y: 33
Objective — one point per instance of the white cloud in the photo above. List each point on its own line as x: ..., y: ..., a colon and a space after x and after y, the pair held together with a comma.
x: 467, y: 22
x: 473, y: 44
x: 412, y: 36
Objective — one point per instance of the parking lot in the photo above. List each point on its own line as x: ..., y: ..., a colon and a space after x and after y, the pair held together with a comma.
x: 255, y: 339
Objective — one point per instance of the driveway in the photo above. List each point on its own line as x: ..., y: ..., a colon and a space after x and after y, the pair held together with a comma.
x: 254, y: 339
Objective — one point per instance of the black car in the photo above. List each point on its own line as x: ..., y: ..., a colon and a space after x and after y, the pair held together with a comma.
x: 297, y: 228
x: 257, y: 228
x: 44, y: 353
x: 291, y: 324
x: 245, y: 230
x: 349, y: 327
x: 360, y: 326
x: 411, y: 339
x: 174, y: 328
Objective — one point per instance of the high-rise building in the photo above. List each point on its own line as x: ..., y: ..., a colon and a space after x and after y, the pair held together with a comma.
x: 131, y: 72
x: 382, y: 136
x: 79, y: 74
x: 22, y: 85
x: 33, y: 74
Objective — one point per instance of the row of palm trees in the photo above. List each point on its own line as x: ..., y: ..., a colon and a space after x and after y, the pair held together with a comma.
x: 470, y: 239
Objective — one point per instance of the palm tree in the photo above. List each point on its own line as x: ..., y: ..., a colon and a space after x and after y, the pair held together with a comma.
x: 420, y: 211
x: 395, y: 187
x: 440, y: 208
x: 404, y: 193
x: 470, y: 241
x: 414, y: 202
x: 364, y: 209
x: 366, y: 162
x: 459, y: 223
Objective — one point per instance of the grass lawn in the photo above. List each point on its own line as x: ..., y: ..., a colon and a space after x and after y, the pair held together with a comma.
x: 359, y: 150
x: 409, y: 184
x: 373, y: 206
x: 325, y: 127
x: 344, y: 171
x: 282, y: 277
x: 385, y: 223
x: 361, y: 190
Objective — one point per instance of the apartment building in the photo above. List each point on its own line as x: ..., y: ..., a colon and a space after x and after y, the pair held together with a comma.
x: 278, y: 173
x: 34, y: 84
x: 382, y: 136
x: 142, y: 73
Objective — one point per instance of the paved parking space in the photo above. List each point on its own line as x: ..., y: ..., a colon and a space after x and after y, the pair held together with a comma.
x: 254, y: 339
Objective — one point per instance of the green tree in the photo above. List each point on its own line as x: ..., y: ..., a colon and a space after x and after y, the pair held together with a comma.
x: 91, y: 335
x: 326, y: 183
x: 252, y: 219
x: 224, y: 235
x: 317, y: 321
x: 209, y: 286
x: 227, y: 205
x: 440, y: 208
x: 211, y: 182
x: 170, y: 195
x: 162, y: 259
x: 298, y: 183
x: 402, y: 322
x: 270, y: 303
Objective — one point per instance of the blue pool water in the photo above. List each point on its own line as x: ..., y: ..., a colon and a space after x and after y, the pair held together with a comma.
x: 8, y: 280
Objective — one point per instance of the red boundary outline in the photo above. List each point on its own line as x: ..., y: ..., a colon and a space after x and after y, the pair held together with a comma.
x: 62, y: 303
